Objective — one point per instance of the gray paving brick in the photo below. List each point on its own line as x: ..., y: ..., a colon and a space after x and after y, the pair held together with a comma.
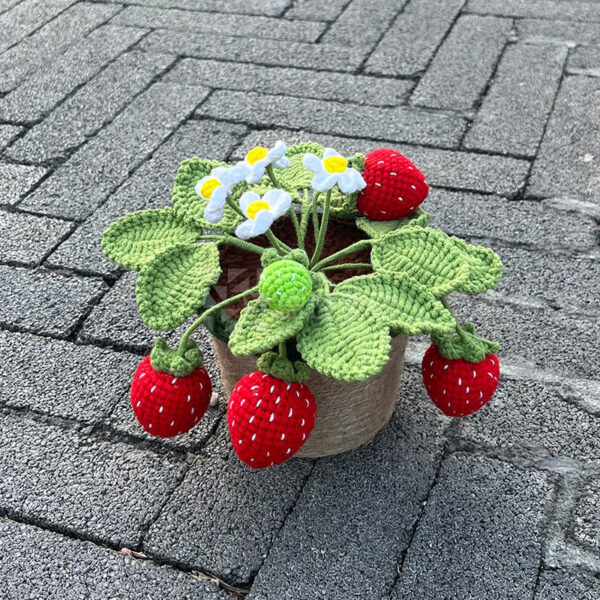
x: 17, y: 180
x: 584, y: 60
x: 545, y: 9
x: 513, y: 115
x: 42, y: 47
x: 570, y: 283
x: 532, y: 337
x: 529, y: 417
x: 256, y: 7
x: 316, y: 10
x: 43, y: 565
x: 224, y: 517
x: 399, y: 124
x: 481, y: 512
x: 149, y: 187
x: 558, y: 585
x: 26, y: 17
x: 463, y: 170
x: 569, y: 33
x: 343, y: 540
x: 109, y: 491
x: 44, y: 302
x: 26, y: 239
x: 6, y: 5
x: 567, y: 162
x: 39, y: 93
x: 325, y: 85
x: 267, y: 52
x: 464, y: 63
x: 62, y: 379
x: 8, y: 133
x: 85, y: 181
x: 533, y: 223
x: 240, y: 25
x: 97, y: 102
x: 362, y: 23
x: 412, y: 40
x: 586, y: 527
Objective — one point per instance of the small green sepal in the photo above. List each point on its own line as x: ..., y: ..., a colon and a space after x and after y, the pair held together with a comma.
x: 283, y: 368
x: 270, y: 255
x: 464, y: 344
x: 180, y: 362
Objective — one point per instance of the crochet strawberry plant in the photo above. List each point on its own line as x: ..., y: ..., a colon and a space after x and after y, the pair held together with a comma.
x: 313, y: 308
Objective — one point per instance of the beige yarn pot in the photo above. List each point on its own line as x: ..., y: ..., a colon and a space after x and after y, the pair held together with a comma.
x: 349, y: 413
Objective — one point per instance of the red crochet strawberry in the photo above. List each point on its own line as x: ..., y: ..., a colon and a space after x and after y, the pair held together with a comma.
x: 269, y: 419
x: 395, y: 187
x: 170, y: 393
x: 460, y: 386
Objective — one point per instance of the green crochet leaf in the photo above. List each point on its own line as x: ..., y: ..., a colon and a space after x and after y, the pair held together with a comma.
x: 376, y: 229
x: 174, y: 285
x: 261, y: 328
x: 427, y: 255
x: 346, y: 339
x: 190, y: 207
x: 135, y: 239
x: 485, y: 267
x: 402, y: 304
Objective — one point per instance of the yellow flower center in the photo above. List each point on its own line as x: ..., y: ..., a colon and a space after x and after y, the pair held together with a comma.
x: 256, y: 154
x: 335, y: 164
x: 208, y: 187
x: 255, y: 206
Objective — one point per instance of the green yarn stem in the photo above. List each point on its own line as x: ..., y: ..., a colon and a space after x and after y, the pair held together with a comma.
x: 277, y: 243
x: 304, y: 219
x: 282, y: 350
x: 315, y: 215
x: 459, y: 330
x: 243, y: 244
x: 291, y: 212
x: 322, y: 230
x: 183, y: 344
x: 235, y: 207
x: 356, y: 247
x: 348, y: 266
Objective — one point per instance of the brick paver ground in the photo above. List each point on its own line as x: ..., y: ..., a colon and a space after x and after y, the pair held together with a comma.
x: 498, y: 101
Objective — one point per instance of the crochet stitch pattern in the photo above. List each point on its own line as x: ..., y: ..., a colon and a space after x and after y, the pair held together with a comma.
x: 313, y: 302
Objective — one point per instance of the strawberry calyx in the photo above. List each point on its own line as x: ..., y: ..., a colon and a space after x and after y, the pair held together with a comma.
x: 464, y: 344
x: 179, y: 362
x: 270, y: 256
x: 357, y: 161
x: 283, y: 368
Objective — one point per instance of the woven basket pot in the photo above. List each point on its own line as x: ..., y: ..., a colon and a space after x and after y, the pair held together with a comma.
x: 349, y: 414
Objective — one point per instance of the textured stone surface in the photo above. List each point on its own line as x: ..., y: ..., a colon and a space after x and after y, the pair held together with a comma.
x: 61, y: 378
x: 545, y: 9
x: 342, y: 540
x: 481, y: 513
x: 257, y: 7
x: 27, y: 239
x: 514, y: 112
x: 17, y: 180
x: 568, y: 160
x: 409, y: 44
x: 462, y: 66
x: 149, y: 187
x: 558, y: 585
x: 42, y: 565
x: 584, y: 60
x: 45, y: 302
x: 467, y: 170
x: 394, y: 124
x: 316, y: 10
x: 569, y: 33
x: 268, y: 52
x: 88, y: 177
x: 106, y: 490
x: 7, y: 134
x: 291, y: 82
x: 586, y: 529
x: 51, y: 40
x: 239, y: 25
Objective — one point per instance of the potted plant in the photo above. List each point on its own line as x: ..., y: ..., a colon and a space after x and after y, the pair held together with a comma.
x: 310, y: 269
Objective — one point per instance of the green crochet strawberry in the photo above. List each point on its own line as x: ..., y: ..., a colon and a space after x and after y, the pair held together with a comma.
x: 395, y: 187
x: 170, y: 393
x: 269, y: 419
x: 460, y: 372
x: 285, y: 285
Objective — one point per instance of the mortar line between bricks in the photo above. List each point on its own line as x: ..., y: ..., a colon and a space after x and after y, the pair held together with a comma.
x: 329, y: 24
x: 11, y: 7
x: 528, y: 17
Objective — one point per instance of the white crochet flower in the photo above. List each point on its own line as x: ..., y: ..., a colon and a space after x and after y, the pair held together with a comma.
x: 259, y: 158
x: 261, y: 212
x: 215, y: 188
x: 331, y: 169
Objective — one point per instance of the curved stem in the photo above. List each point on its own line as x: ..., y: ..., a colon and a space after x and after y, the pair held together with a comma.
x: 243, y: 244
x: 315, y: 214
x: 322, y: 230
x: 291, y: 212
x: 304, y: 219
x: 235, y: 207
x: 348, y: 266
x: 282, y: 350
x: 277, y: 243
x: 210, y: 311
x: 356, y: 247
x: 459, y: 330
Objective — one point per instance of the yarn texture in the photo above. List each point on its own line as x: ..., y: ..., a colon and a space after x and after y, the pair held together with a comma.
x: 285, y: 285
x: 376, y: 229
